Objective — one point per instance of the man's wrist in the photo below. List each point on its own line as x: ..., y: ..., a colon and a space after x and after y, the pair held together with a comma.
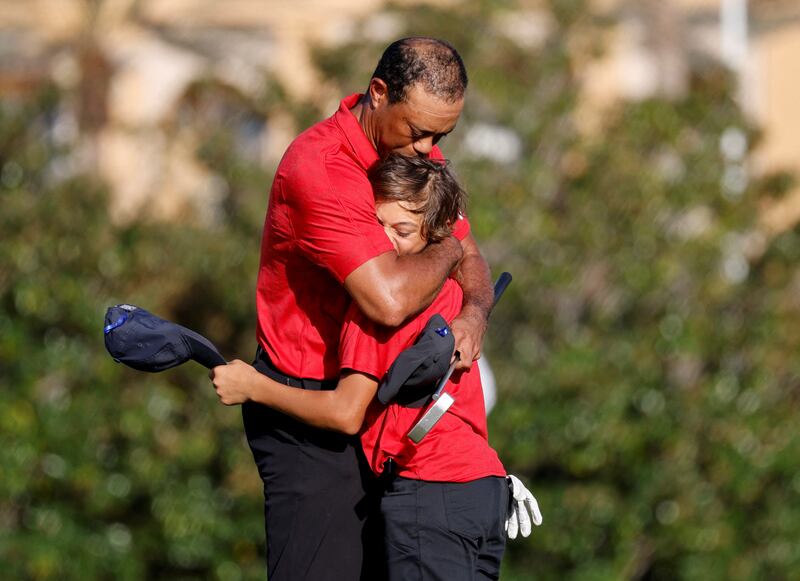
x: 477, y: 310
x: 447, y: 251
x: 452, y: 249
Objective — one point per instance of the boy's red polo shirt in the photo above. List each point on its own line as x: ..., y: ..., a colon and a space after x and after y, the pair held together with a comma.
x: 320, y: 226
x: 457, y: 447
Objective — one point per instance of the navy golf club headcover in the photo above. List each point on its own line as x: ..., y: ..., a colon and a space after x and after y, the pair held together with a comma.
x: 412, y: 377
x: 141, y: 340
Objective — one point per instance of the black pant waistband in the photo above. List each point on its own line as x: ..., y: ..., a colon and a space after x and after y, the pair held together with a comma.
x: 264, y: 365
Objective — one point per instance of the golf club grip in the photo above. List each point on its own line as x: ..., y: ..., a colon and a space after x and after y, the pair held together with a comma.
x: 500, y: 286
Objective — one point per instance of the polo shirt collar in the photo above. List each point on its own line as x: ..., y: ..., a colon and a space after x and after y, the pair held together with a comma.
x: 353, y: 132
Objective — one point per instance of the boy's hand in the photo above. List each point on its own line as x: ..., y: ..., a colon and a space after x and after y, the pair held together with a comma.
x: 234, y: 381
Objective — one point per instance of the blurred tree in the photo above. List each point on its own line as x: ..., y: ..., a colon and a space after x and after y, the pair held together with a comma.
x: 108, y: 473
x: 645, y: 352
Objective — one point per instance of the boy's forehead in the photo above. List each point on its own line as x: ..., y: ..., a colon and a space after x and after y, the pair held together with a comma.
x: 396, y: 206
x: 397, y: 212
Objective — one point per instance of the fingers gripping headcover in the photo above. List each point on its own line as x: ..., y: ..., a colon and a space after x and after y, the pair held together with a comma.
x: 141, y: 340
x: 412, y: 377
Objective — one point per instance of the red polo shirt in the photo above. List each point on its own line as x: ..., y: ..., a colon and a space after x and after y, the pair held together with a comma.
x: 457, y: 447
x: 320, y: 226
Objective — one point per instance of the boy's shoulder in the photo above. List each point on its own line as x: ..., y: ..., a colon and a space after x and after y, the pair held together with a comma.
x: 447, y: 303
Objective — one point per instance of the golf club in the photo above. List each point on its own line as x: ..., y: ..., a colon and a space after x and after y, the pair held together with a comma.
x: 441, y: 399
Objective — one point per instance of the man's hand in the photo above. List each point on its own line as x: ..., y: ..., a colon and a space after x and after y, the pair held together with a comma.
x: 522, y: 501
x: 468, y: 330
x: 234, y: 381
x: 472, y: 274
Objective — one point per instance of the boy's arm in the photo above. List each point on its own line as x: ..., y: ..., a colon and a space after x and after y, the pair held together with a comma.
x: 340, y: 410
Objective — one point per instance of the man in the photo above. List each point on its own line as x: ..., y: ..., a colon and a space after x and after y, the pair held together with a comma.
x: 323, y: 247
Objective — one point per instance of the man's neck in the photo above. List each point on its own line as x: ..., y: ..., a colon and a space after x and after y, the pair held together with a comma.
x: 361, y: 112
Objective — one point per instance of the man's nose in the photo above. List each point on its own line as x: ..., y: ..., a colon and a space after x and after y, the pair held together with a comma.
x: 424, y: 146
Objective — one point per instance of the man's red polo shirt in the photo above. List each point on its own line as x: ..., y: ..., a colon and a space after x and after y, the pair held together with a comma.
x: 320, y: 226
x: 457, y: 447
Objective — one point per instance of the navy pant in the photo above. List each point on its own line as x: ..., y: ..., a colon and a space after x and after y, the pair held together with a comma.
x: 443, y: 530
x: 318, y: 493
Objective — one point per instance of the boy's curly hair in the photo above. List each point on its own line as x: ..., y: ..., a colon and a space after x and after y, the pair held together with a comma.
x: 426, y: 186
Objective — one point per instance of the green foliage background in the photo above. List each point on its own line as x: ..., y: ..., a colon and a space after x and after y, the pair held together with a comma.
x: 645, y: 354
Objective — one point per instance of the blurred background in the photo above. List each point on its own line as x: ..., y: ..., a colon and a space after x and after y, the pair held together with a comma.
x: 631, y: 163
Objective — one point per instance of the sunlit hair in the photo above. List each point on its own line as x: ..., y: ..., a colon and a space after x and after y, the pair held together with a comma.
x: 424, y: 186
x: 431, y: 62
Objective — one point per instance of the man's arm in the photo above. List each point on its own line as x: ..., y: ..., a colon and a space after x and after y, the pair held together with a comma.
x: 475, y: 280
x: 340, y: 410
x: 391, y: 288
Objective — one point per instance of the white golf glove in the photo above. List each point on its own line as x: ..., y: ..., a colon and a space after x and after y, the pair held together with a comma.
x: 522, y: 502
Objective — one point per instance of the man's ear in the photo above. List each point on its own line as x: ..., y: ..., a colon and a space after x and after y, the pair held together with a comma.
x: 378, y: 93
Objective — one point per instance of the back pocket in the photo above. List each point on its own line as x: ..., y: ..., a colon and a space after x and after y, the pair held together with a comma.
x: 465, y: 509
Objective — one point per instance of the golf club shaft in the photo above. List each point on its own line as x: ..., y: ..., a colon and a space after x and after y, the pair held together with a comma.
x: 500, y: 286
x: 445, y: 378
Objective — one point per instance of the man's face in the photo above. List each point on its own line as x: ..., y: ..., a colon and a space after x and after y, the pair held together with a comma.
x: 414, y: 126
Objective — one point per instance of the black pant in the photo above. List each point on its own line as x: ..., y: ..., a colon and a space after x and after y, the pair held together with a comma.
x: 444, y: 530
x: 318, y: 492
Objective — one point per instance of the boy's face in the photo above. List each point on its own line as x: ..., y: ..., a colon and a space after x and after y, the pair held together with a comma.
x: 403, y: 227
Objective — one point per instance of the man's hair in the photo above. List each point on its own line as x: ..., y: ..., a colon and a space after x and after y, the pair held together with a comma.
x: 427, y: 186
x: 433, y: 63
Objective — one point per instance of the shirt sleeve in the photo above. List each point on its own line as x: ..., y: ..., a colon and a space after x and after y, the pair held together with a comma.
x: 462, y: 228
x: 332, y: 211
x: 371, y: 348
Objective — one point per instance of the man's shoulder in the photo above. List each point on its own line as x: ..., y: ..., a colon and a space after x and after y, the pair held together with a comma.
x: 314, y: 143
x: 319, y: 153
